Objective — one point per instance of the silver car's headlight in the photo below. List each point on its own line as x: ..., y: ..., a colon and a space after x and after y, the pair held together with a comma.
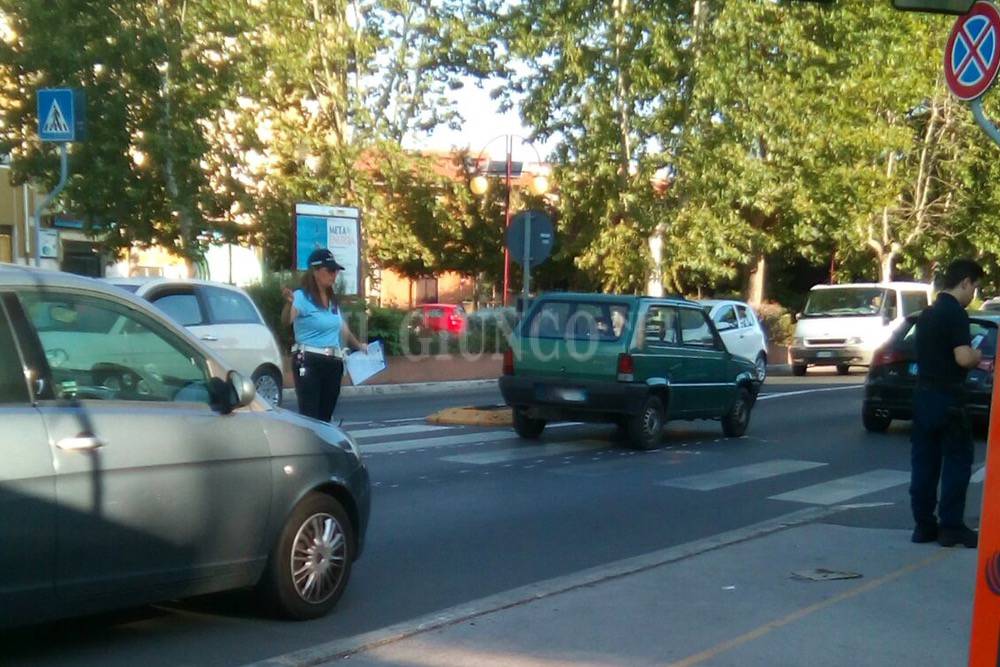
x: 798, y: 341
x: 855, y: 341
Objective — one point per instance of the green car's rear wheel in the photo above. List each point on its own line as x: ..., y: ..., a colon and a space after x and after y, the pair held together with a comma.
x: 645, y: 428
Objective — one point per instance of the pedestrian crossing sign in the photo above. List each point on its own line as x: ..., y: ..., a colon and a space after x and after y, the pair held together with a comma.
x: 60, y: 114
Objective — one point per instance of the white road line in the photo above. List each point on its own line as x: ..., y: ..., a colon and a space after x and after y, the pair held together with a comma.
x: 369, y: 433
x: 718, y: 479
x: 845, y: 488
x: 782, y: 394
x: 442, y: 441
x: 525, y: 452
x: 979, y: 476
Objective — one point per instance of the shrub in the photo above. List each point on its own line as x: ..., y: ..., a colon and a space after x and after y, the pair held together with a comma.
x: 777, y: 322
x: 269, y: 299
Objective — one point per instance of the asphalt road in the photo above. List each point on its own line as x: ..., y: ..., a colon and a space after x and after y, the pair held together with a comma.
x: 459, y: 516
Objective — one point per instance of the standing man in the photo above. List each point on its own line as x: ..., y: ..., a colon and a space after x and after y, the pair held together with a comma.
x: 942, y: 443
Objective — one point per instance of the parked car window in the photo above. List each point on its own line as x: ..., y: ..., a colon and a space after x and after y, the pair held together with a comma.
x: 914, y: 302
x: 13, y: 388
x: 726, y: 318
x: 746, y: 317
x: 127, y: 357
x: 661, y: 326
x: 579, y: 321
x: 434, y: 312
x: 694, y: 328
x: 229, y: 307
x: 181, y: 308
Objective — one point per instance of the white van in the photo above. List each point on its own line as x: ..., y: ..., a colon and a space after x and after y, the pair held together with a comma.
x: 843, y: 325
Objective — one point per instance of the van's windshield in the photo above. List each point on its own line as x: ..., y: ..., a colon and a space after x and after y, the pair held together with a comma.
x: 845, y: 302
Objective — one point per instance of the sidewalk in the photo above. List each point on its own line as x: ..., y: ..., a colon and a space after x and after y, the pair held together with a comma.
x: 730, y: 600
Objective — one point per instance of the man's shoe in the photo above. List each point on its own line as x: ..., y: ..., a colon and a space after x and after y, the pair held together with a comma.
x: 950, y: 537
x: 924, y: 532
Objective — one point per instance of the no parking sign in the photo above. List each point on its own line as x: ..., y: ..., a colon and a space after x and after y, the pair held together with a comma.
x: 972, y: 56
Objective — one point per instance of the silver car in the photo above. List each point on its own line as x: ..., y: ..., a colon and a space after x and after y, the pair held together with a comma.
x: 135, y: 468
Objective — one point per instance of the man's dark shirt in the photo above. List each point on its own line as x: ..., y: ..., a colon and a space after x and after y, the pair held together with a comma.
x: 940, y: 329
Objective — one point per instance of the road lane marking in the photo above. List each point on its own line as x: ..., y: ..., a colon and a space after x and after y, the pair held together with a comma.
x: 368, y: 433
x: 525, y: 452
x: 718, y: 479
x: 783, y: 394
x: 838, y: 490
x: 440, y: 441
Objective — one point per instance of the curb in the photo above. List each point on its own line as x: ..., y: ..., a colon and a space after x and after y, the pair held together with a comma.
x: 344, y: 648
x: 406, y: 388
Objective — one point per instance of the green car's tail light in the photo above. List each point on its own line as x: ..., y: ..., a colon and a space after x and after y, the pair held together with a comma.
x: 626, y: 368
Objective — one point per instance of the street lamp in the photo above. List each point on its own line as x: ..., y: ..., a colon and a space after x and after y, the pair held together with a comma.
x: 479, y: 184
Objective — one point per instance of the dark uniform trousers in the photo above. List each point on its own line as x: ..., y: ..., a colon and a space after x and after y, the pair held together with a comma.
x: 941, y: 446
x: 317, y: 383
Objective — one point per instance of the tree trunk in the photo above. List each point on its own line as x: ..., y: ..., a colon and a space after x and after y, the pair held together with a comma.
x: 755, y: 290
x: 654, y: 283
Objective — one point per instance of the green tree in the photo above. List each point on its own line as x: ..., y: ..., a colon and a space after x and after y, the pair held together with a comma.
x: 153, y: 72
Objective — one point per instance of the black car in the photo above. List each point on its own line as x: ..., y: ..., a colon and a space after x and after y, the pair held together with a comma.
x: 892, y: 375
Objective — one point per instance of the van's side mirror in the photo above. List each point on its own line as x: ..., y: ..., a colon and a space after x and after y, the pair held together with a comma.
x: 796, y: 317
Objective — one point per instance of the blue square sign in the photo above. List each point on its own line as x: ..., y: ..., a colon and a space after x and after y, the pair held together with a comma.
x: 60, y: 114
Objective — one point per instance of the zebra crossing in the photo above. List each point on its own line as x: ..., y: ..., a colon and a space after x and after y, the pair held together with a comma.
x: 575, y: 445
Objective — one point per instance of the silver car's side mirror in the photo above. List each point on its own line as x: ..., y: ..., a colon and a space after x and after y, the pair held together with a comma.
x: 243, y: 389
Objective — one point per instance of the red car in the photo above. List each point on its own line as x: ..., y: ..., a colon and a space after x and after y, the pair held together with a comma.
x: 441, y: 317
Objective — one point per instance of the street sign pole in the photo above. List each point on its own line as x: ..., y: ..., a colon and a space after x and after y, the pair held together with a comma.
x: 526, y: 287
x: 49, y: 198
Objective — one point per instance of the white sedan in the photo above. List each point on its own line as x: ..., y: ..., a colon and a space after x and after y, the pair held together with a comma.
x: 740, y: 330
x: 225, y: 319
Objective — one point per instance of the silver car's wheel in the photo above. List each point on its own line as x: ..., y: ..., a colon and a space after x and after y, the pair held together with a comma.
x: 309, y: 566
x: 268, y: 385
x: 319, y: 552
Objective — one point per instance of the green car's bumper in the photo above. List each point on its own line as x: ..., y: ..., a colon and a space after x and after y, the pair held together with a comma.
x: 556, y: 398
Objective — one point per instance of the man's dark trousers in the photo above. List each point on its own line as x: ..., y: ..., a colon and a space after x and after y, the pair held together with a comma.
x: 942, y: 448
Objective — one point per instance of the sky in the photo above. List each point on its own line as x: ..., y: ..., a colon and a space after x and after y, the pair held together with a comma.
x: 484, y: 129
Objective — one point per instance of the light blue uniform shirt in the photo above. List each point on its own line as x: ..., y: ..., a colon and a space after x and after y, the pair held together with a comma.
x: 315, y: 326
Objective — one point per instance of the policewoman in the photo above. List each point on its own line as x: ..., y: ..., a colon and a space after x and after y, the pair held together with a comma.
x: 320, y: 335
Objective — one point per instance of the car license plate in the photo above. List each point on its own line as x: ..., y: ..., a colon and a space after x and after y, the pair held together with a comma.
x: 571, y: 395
x: 913, y: 369
x: 825, y: 354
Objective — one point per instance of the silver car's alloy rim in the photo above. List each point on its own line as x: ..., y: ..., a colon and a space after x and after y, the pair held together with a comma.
x: 318, y: 557
x: 268, y: 389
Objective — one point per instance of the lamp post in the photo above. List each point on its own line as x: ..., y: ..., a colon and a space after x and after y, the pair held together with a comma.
x: 479, y: 184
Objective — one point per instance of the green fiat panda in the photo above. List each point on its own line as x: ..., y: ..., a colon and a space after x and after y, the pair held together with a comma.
x: 632, y: 360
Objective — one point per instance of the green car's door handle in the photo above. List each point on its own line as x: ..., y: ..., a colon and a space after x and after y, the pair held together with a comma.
x: 80, y: 443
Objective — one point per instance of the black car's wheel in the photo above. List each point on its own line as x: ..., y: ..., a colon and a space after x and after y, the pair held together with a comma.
x: 646, y: 427
x: 760, y: 367
x: 874, y: 423
x: 525, y: 426
x: 736, y: 421
x: 798, y: 370
x: 309, y: 566
x: 843, y: 369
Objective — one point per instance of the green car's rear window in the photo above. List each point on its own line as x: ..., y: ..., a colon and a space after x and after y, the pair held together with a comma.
x: 578, y: 320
